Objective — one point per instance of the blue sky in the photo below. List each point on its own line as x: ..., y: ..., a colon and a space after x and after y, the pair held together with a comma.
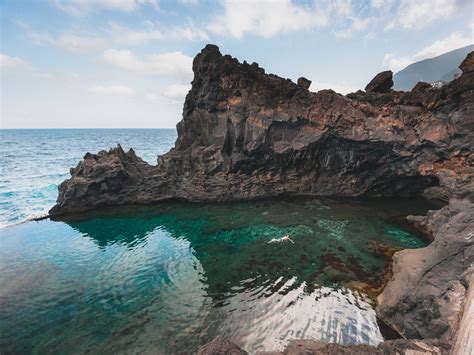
x: 127, y: 63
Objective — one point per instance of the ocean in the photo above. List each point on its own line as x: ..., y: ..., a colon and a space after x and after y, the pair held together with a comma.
x: 34, y: 162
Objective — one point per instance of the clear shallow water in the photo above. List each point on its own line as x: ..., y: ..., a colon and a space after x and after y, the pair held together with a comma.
x: 33, y: 162
x: 168, y: 278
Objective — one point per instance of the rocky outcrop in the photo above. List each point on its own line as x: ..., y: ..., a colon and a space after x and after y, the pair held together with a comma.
x: 381, y: 83
x: 246, y: 134
x: 424, y: 297
x: 304, y: 83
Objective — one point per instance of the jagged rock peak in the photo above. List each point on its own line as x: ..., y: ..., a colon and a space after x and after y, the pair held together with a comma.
x: 304, y: 83
x: 467, y: 64
x: 381, y: 83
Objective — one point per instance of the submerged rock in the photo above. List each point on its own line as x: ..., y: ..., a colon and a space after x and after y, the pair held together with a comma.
x: 220, y: 346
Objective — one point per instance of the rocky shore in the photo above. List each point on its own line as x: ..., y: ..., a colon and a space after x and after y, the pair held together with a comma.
x: 246, y: 135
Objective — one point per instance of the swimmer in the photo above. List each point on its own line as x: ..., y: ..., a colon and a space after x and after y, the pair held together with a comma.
x: 285, y: 238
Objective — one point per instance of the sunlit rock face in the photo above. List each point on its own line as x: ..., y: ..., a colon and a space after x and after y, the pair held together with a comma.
x: 246, y: 134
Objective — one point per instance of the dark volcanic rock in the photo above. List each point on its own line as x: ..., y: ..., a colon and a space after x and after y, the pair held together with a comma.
x: 247, y: 135
x: 381, y: 83
x: 304, y: 83
x: 467, y: 64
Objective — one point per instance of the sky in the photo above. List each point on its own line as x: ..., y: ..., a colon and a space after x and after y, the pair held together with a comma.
x: 127, y: 63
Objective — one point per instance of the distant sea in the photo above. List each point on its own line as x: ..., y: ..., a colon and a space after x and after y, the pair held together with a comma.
x: 34, y: 162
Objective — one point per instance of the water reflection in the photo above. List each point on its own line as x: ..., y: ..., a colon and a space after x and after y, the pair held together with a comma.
x: 169, y: 278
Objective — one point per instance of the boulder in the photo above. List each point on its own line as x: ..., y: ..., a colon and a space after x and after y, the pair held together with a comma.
x: 381, y: 83
x: 304, y: 83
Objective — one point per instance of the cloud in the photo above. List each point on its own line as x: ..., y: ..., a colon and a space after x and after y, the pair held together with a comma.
x: 9, y: 63
x: 84, y: 7
x: 189, y: 2
x: 172, y: 63
x: 265, y: 18
x: 129, y: 36
x: 357, y: 25
x: 177, y: 91
x: 70, y: 42
x: 111, y: 90
x: 454, y: 41
x: 420, y: 13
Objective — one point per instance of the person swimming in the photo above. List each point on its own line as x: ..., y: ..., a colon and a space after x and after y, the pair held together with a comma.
x: 285, y: 238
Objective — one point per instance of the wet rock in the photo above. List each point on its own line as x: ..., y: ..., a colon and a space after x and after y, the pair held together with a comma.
x: 220, y: 346
x: 381, y: 83
x: 304, y: 83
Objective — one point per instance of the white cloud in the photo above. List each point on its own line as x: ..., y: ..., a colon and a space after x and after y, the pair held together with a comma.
x: 189, y: 2
x: 453, y: 41
x: 70, y: 42
x: 172, y: 63
x: 129, y: 36
x: 357, y: 25
x: 265, y: 18
x: 83, y: 7
x: 111, y: 90
x: 420, y: 13
x: 8, y: 63
x: 177, y: 91
x: 377, y: 4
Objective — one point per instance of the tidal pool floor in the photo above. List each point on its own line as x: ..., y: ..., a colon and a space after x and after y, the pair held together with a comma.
x: 168, y: 278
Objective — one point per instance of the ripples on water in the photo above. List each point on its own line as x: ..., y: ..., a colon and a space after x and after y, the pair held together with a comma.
x: 34, y: 162
x: 169, y: 278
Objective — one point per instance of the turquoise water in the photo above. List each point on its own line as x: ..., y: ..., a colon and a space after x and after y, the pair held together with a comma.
x: 33, y: 162
x: 168, y: 278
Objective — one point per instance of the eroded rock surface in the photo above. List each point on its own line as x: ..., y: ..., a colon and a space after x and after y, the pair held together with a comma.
x: 424, y: 297
x: 247, y: 135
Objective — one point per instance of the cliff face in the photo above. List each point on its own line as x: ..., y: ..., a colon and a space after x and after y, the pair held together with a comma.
x: 246, y: 134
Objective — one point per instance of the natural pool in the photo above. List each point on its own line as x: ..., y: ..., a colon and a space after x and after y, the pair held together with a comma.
x: 168, y: 278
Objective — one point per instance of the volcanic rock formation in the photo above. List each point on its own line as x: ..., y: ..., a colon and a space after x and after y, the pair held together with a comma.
x: 246, y: 134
